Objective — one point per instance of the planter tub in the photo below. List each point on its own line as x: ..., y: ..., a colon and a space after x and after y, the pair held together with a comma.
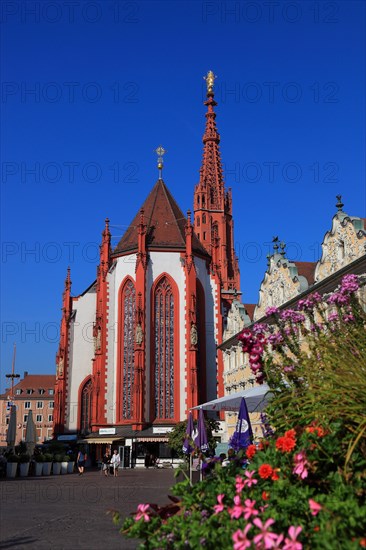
x: 38, y: 468
x: 11, y: 469
x: 70, y: 467
x: 46, y: 468
x: 24, y: 469
x: 64, y: 466
x: 56, y: 468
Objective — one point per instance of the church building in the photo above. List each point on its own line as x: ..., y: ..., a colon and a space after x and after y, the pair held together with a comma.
x: 157, y: 308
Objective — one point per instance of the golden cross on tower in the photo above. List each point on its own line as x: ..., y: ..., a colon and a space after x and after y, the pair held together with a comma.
x: 210, y: 81
x: 160, y: 151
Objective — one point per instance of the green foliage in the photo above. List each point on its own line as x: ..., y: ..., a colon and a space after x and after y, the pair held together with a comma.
x: 12, y: 458
x: 328, y: 380
x: 24, y: 457
x: 178, y: 435
x: 48, y: 457
x: 284, y: 497
x: 39, y: 457
x: 58, y: 458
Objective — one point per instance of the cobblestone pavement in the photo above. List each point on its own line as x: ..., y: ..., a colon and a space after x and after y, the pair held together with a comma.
x: 72, y: 512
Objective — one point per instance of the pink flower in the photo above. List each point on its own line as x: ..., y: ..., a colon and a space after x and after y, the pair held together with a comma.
x: 237, y: 510
x: 240, y: 538
x: 265, y: 538
x: 250, y: 481
x: 291, y: 543
x: 142, y: 512
x: 249, y: 509
x: 301, y: 464
x: 314, y: 507
x: 219, y: 507
x: 239, y: 484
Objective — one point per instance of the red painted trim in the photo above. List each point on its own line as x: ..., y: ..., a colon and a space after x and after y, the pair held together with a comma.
x: 120, y: 342
x: 176, y: 350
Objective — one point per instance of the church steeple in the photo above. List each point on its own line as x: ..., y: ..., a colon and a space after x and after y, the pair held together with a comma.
x: 213, y: 221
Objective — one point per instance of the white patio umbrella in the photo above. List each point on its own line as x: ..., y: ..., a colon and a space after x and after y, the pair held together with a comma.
x: 30, y: 434
x: 12, y: 427
x: 256, y: 399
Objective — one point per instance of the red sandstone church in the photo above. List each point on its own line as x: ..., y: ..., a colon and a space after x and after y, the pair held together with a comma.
x: 157, y: 307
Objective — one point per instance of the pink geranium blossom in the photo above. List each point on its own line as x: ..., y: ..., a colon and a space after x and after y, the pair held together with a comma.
x: 240, y: 539
x: 238, y: 508
x: 301, y: 465
x: 250, y: 481
x: 249, y: 509
x: 265, y: 538
x: 142, y: 512
x: 291, y: 542
x: 314, y: 507
x: 239, y: 484
x: 219, y: 507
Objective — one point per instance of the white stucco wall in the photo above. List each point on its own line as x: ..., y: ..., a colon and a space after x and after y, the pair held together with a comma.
x: 81, y: 352
x: 209, y: 287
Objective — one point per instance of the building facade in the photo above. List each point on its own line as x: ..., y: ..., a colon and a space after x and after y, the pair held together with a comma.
x: 157, y: 310
x: 36, y: 392
x: 286, y: 282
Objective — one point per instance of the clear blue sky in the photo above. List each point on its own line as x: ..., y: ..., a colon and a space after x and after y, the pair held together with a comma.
x: 113, y: 80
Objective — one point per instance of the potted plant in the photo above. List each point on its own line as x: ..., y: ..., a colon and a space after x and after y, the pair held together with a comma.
x: 56, y: 466
x: 12, y: 465
x: 39, y: 459
x: 64, y: 464
x: 47, y: 464
x: 24, y: 460
x: 71, y: 464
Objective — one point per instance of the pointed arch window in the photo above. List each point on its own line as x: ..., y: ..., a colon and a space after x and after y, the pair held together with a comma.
x: 127, y: 352
x: 86, y: 407
x: 164, y: 350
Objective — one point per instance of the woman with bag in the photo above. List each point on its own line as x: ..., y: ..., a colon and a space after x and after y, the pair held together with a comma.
x: 106, y: 460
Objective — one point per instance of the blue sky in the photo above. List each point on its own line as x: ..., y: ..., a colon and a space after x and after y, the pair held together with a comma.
x: 90, y: 89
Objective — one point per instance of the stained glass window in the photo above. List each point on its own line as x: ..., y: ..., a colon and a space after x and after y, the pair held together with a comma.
x: 129, y: 310
x: 164, y: 351
x: 86, y: 404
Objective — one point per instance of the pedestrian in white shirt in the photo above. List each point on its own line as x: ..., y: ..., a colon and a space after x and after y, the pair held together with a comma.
x: 115, y: 461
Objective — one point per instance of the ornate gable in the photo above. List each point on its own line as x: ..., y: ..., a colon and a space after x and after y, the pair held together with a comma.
x: 237, y: 319
x: 343, y: 244
x: 282, y: 281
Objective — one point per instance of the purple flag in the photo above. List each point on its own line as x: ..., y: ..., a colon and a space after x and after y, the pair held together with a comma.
x: 187, y: 447
x: 201, y: 440
x: 243, y: 435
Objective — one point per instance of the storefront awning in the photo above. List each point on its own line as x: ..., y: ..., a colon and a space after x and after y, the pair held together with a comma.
x: 100, y: 440
x: 152, y: 439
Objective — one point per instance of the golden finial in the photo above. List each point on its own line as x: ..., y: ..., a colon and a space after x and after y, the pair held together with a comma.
x: 160, y: 151
x: 210, y: 81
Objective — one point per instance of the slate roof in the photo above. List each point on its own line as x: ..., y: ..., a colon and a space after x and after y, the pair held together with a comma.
x: 165, y: 225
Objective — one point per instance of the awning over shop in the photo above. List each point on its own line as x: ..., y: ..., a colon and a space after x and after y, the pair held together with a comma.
x: 100, y: 440
x: 152, y: 439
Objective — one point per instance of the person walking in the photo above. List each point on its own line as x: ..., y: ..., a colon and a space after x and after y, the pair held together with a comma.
x: 81, y: 459
x: 106, y: 460
x: 115, y: 461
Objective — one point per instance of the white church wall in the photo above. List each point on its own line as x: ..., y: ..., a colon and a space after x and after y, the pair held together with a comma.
x: 80, y: 354
x: 210, y: 289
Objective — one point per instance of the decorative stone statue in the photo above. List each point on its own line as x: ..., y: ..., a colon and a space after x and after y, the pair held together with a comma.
x: 139, y: 335
x: 60, y: 367
x: 194, y: 335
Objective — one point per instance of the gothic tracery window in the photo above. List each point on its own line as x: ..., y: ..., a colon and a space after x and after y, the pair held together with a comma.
x: 164, y: 350
x: 127, y: 351
x: 86, y: 407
